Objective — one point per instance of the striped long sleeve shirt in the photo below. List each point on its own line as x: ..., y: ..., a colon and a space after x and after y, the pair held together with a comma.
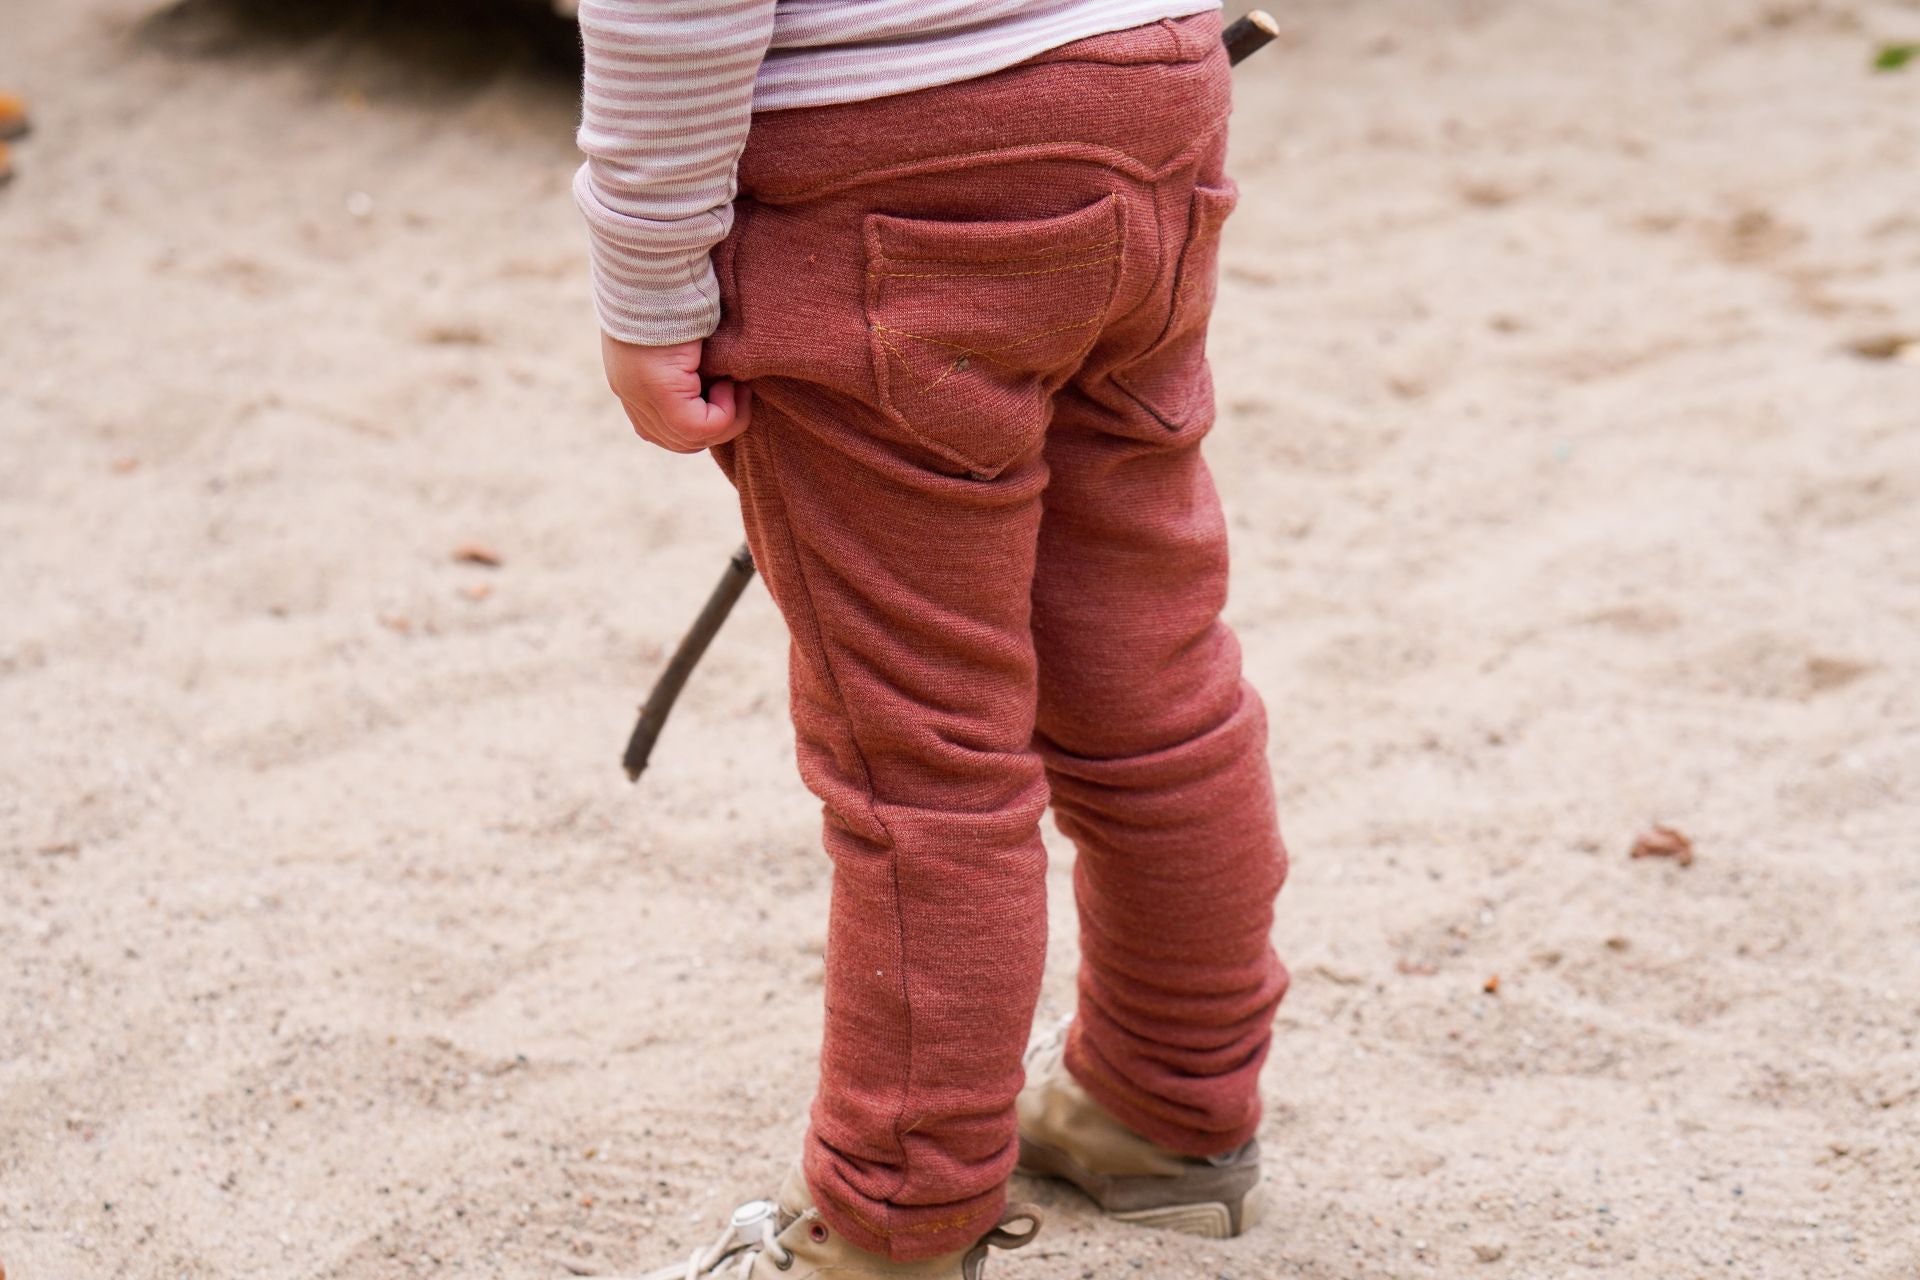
x: 671, y: 87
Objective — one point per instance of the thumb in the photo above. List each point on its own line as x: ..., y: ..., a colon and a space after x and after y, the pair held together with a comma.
x: 731, y: 409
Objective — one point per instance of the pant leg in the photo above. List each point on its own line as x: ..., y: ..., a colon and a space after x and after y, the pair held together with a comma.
x: 1154, y: 744
x: 903, y: 338
x: 902, y: 368
x: 907, y: 594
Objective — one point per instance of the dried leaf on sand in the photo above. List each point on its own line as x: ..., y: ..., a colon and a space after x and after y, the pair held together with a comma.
x: 1664, y: 842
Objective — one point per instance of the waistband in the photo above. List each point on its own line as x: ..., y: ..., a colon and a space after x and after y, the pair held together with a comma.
x: 1174, y: 40
x: 1135, y: 100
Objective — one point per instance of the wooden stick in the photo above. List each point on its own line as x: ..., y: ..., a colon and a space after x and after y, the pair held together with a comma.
x: 1243, y: 38
x: 653, y: 714
x: 1249, y: 35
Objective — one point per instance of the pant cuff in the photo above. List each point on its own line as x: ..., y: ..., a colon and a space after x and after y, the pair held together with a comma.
x: 902, y: 1233
x: 1176, y: 1128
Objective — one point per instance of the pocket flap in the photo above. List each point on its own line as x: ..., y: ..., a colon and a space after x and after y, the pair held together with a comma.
x: 1170, y: 379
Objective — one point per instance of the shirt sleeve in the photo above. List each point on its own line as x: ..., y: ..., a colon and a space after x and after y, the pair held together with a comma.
x: 665, y: 105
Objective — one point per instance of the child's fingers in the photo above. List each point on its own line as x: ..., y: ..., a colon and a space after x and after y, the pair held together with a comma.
x: 660, y: 389
x: 689, y: 425
x: 697, y: 423
x: 730, y: 408
x: 653, y: 427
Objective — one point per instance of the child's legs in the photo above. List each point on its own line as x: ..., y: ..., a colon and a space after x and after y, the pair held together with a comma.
x: 907, y: 594
x: 1155, y: 749
x: 907, y: 282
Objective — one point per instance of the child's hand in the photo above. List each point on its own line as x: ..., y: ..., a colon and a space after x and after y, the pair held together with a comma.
x: 660, y: 387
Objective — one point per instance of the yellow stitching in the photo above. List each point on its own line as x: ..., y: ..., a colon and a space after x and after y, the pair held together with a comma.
x: 982, y: 351
x: 1025, y: 257
x: 944, y: 1224
x: 924, y: 387
x: 989, y: 275
x: 966, y: 352
x: 840, y: 1203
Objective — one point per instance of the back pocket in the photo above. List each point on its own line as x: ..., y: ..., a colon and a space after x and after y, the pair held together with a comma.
x: 1170, y: 379
x: 974, y: 325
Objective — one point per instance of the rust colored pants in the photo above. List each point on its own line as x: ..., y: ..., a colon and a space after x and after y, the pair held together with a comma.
x: 973, y: 318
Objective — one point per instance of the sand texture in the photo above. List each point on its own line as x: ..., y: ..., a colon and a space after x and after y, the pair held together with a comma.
x: 1571, y: 440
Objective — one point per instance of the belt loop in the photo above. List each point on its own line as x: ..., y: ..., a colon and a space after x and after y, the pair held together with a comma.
x: 1176, y: 46
x: 1189, y: 38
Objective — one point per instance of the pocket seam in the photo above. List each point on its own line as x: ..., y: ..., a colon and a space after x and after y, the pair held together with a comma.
x: 988, y: 275
x: 1024, y: 257
x: 966, y: 352
x: 1182, y: 289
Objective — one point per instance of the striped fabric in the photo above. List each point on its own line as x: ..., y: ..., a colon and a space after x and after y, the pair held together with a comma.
x: 671, y: 86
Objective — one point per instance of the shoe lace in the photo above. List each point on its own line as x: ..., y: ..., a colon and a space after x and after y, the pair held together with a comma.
x: 1050, y: 1044
x: 754, y: 1229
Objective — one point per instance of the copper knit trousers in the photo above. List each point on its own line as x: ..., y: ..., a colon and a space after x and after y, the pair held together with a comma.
x: 974, y: 318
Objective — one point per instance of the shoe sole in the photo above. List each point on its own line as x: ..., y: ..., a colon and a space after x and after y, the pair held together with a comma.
x: 1224, y: 1204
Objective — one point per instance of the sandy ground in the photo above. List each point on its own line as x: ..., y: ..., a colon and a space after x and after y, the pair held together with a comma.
x: 333, y: 943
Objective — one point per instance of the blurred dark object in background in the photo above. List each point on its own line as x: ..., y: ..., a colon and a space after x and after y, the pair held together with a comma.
x: 13, y: 124
x: 460, y: 39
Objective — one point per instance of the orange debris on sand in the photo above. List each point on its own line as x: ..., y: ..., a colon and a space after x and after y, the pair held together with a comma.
x: 1664, y: 842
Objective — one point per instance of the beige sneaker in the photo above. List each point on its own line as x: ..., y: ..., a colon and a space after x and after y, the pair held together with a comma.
x: 785, y: 1239
x: 1066, y: 1134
